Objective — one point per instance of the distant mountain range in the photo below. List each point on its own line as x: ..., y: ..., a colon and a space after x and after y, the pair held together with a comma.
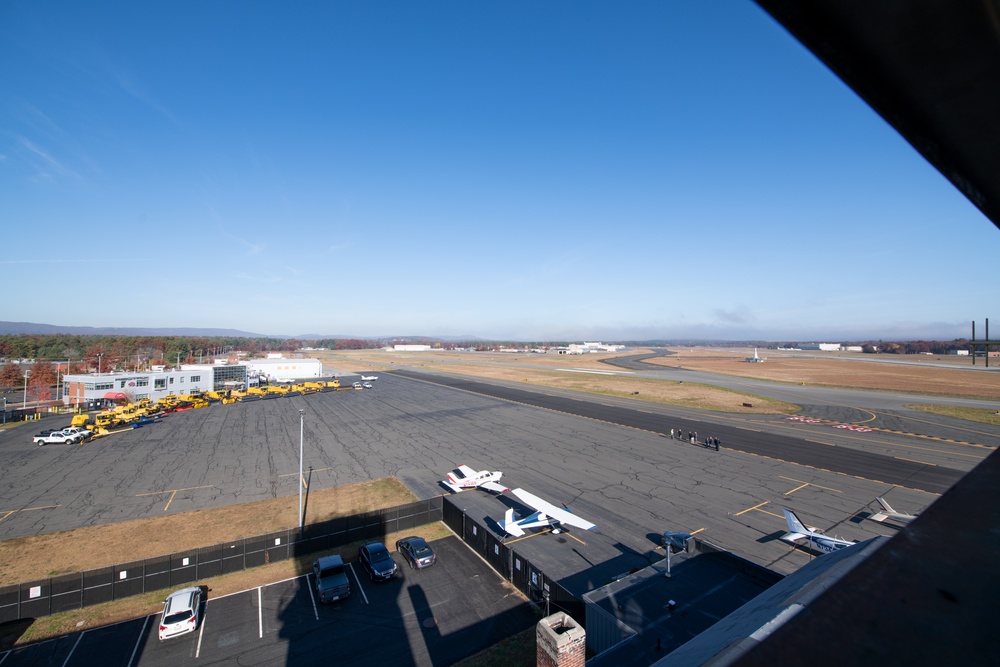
x: 16, y: 328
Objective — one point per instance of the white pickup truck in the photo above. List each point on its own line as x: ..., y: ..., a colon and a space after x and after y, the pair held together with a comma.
x: 55, y: 438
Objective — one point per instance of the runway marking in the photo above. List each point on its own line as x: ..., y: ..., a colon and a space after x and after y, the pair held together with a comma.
x: 7, y: 513
x: 916, y: 461
x: 579, y: 370
x: 752, y: 508
x: 172, y: 492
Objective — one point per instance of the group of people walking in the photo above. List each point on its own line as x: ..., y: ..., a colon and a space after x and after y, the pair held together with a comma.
x: 692, y: 437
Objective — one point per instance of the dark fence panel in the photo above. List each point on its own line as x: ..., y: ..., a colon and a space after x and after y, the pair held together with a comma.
x: 498, y: 555
x: 97, y: 586
x: 35, y: 599
x: 9, y: 598
x: 209, y: 561
x: 254, y: 552
x: 453, y: 516
x: 157, y: 573
x: 67, y: 592
x: 278, y: 546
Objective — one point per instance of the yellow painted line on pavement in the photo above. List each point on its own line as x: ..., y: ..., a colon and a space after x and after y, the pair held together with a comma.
x: 7, y: 513
x: 172, y: 492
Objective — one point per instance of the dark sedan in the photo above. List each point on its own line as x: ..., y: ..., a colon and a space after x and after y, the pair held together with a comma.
x: 377, y: 560
x: 416, y: 551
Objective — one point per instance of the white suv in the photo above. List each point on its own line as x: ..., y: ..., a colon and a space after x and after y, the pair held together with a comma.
x: 181, y: 611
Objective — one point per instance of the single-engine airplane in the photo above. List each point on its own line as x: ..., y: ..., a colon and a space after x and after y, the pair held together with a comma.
x: 545, y: 514
x: 889, y: 513
x: 463, y: 477
x: 368, y: 378
x: 812, y: 536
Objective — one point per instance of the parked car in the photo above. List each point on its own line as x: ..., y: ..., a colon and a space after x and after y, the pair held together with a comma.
x: 331, y: 578
x: 54, y: 438
x: 416, y: 552
x: 375, y: 558
x: 357, y: 385
x: 181, y: 612
x: 366, y: 385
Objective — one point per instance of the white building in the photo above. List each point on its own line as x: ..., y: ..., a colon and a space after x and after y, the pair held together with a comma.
x: 825, y: 347
x: 284, y: 370
x: 411, y: 348
x: 98, y: 390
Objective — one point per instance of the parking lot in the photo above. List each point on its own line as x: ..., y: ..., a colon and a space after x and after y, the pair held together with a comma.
x: 434, y: 616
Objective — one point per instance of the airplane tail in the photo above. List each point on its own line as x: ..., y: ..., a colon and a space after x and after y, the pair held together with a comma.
x: 886, y: 507
x: 509, y: 525
x: 794, y: 525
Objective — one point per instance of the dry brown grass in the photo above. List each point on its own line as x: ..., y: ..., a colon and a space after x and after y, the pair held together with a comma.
x: 525, y: 368
x: 29, y: 558
x: 846, y: 370
x: 693, y: 395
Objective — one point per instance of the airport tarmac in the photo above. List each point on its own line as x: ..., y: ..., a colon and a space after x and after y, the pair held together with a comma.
x: 632, y: 481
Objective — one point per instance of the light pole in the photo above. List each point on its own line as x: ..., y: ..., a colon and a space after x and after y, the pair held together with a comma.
x: 24, y: 406
x: 99, y: 362
x: 302, y: 418
x: 4, y: 410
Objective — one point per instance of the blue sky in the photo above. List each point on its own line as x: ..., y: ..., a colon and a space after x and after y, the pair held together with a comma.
x: 515, y: 170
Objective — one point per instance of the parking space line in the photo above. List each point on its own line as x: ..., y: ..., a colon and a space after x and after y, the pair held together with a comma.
x: 172, y: 492
x: 138, y: 641
x: 750, y: 509
x: 312, y: 597
x: 358, y: 579
x: 27, y: 509
x: 197, y: 650
x: 72, y: 650
x: 260, y: 614
x: 800, y: 486
x: 805, y: 484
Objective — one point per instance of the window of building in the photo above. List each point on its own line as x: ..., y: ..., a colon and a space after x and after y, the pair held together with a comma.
x: 194, y: 378
x: 98, y: 386
x: 171, y: 380
x: 142, y: 382
x: 160, y: 383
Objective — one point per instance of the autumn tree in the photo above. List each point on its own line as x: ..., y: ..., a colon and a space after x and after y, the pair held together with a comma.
x: 11, y: 375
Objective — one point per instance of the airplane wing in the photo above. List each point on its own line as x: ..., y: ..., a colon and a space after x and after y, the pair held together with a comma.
x: 494, y: 487
x: 560, y: 515
x: 454, y: 487
x: 463, y: 471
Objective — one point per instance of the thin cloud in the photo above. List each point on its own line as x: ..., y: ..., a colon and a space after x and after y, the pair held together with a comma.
x: 49, y: 166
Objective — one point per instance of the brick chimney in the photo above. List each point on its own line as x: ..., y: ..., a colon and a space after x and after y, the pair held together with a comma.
x: 560, y: 641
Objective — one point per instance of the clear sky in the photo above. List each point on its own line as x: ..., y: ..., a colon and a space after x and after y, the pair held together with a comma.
x: 525, y: 170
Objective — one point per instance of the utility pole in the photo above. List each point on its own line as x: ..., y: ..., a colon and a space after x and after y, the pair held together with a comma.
x: 302, y: 422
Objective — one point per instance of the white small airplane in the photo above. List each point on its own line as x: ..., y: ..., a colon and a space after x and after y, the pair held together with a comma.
x: 545, y: 514
x: 889, y: 513
x: 812, y: 536
x: 463, y: 477
x: 369, y: 378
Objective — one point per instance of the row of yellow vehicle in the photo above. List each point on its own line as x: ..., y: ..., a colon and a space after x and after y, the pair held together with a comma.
x: 144, y: 411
